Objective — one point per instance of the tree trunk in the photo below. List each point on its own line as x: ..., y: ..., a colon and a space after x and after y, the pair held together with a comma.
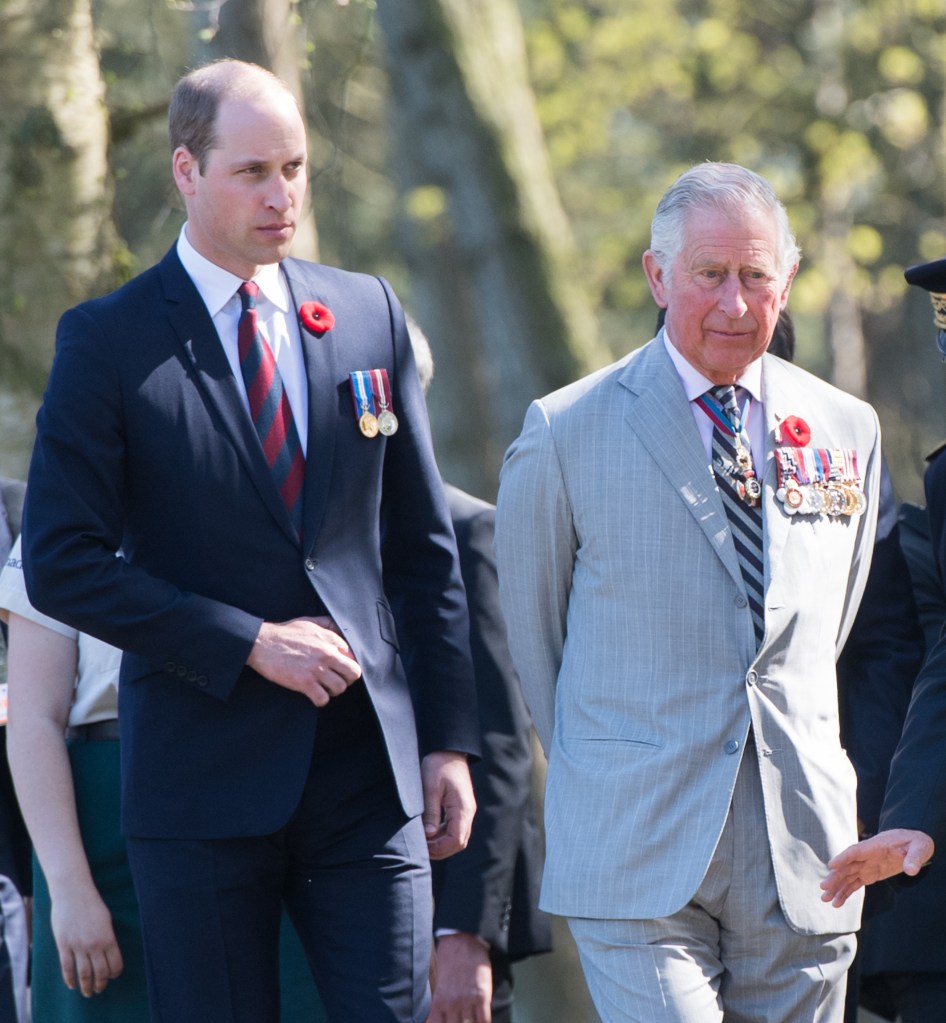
x: 264, y: 32
x: 55, y: 197
x: 482, y: 228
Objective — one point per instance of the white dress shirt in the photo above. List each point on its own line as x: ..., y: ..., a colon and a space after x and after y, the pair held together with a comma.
x: 695, y: 384
x: 277, y: 319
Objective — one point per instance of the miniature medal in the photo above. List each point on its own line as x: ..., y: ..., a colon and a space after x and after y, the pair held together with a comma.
x: 387, y: 420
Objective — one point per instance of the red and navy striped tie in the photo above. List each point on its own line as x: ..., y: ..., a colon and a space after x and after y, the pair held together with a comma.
x: 269, y: 407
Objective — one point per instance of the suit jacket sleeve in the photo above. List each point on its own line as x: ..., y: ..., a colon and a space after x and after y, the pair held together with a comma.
x: 474, y: 889
x: 73, y: 524
x: 535, y: 547
x: 878, y: 664
x: 916, y: 792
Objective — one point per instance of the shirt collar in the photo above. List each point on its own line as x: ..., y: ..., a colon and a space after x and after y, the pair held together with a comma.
x: 695, y: 384
x: 217, y: 286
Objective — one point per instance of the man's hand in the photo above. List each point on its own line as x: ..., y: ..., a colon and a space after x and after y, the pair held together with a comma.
x: 886, y: 854
x: 464, y: 981
x: 307, y: 655
x: 448, y: 803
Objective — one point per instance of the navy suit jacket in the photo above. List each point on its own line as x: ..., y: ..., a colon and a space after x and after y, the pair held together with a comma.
x: 144, y: 445
x: 879, y: 662
x: 491, y: 888
x: 916, y: 793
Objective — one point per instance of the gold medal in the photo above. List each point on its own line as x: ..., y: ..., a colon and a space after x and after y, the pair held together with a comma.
x: 368, y: 424
x: 387, y: 422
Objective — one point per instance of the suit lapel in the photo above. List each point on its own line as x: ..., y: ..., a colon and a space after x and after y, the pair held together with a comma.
x: 662, y: 418
x: 320, y: 362
x: 783, y: 397
x: 198, y: 336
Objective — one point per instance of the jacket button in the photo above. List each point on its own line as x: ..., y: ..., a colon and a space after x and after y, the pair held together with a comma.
x: 310, y: 564
x: 752, y: 677
x: 741, y: 601
x: 732, y: 746
x: 170, y: 667
x: 182, y: 670
x: 192, y: 676
x: 202, y: 681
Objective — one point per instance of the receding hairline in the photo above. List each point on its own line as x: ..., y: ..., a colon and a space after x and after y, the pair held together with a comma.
x: 235, y: 79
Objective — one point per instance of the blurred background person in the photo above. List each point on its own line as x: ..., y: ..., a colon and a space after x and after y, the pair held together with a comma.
x: 15, y: 873
x: 486, y: 913
x: 903, y: 954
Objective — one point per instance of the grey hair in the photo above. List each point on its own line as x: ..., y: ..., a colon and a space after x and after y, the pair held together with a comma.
x: 729, y: 189
x: 423, y: 356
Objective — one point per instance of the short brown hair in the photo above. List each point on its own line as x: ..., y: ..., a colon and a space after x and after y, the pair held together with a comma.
x: 192, y: 115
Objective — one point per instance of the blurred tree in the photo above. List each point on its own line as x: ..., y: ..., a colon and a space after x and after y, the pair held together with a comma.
x: 482, y: 229
x: 55, y: 190
x: 840, y: 105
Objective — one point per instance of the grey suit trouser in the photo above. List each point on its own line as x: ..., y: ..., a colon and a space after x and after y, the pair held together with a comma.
x: 728, y: 956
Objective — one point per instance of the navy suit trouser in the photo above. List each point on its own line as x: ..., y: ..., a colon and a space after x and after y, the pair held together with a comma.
x: 355, y: 878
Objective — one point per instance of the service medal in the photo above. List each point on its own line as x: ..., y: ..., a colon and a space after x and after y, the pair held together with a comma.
x: 387, y: 422
x: 368, y: 424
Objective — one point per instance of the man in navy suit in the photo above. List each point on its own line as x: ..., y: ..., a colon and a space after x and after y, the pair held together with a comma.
x: 297, y: 699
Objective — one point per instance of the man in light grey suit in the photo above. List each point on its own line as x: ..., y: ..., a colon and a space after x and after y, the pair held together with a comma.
x: 679, y: 566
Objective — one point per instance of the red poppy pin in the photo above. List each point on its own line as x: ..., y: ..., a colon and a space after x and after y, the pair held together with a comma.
x: 794, y: 431
x: 316, y: 318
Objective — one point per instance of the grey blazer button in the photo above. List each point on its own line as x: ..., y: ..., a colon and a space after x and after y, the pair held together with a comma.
x: 310, y: 564
x: 752, y: 677
x: 732, y: 746
x: 741, y: 601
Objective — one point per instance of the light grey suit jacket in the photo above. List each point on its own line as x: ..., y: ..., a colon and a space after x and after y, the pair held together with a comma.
x: 630, y: 630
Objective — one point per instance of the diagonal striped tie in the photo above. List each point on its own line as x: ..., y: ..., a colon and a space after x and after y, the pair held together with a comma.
x: 732, y: 466
x: 269, y: 407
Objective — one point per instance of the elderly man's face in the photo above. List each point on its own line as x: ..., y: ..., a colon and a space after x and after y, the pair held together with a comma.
x: 723, y: 293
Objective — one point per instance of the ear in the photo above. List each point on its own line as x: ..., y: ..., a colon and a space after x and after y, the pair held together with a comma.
x: 783, y: 299
x: 185, y: 170
x: 656, y: 280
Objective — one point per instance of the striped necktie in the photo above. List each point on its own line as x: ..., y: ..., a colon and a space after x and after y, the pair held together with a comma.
x: 732, y: 467
x: 269, y: 407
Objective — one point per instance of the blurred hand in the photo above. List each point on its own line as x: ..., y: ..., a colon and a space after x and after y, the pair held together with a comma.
x: 464, y: 985
x: 888, y: 853
x: 449, y: 804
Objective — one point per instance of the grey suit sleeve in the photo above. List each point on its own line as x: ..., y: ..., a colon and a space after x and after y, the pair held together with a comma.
x: 536, y: 547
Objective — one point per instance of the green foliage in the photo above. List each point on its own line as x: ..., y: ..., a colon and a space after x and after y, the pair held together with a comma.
x: 838, y: 104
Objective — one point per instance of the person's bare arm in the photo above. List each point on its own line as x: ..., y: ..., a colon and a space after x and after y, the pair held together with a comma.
x: 41, y: 673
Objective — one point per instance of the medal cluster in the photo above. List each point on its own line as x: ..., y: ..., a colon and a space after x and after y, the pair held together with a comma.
x: 819, y: 481
x: 371, y: 394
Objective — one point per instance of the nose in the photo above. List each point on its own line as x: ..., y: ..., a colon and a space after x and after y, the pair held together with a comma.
x: 731, y: 297
x: 280, y: 194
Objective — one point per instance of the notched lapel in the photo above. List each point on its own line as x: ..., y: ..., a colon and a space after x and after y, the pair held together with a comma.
x: 662, y: 419
x: 319, y: 353
x: 198, y: 337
